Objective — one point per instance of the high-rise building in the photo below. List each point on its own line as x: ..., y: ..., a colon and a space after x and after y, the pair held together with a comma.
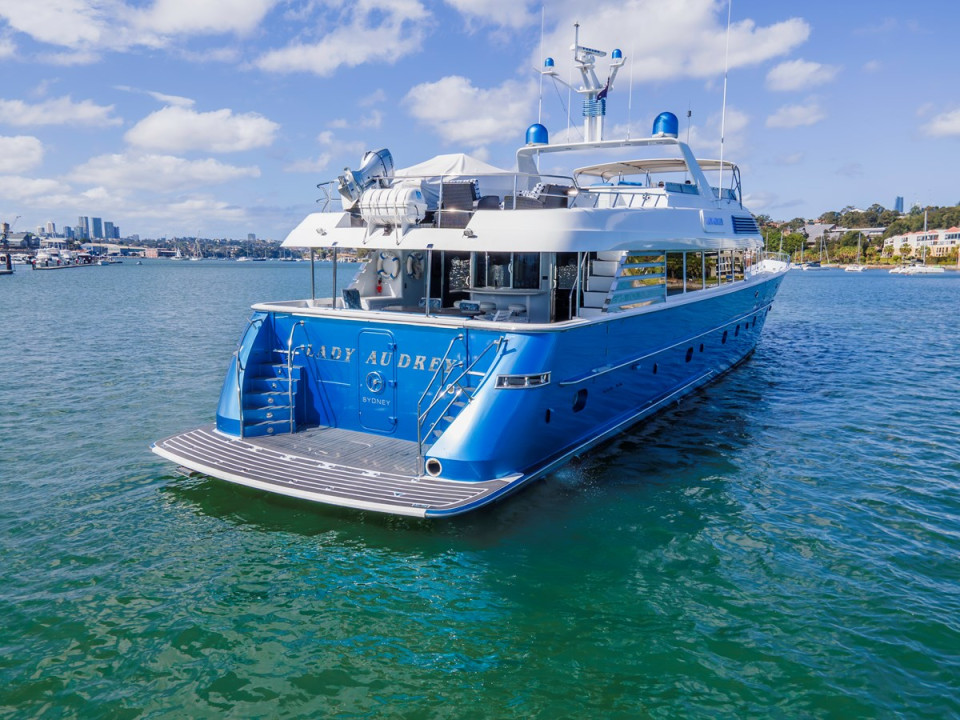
x: 97, y: 228
x: 108, y: 230
x: 68, y: 232
x: 898, y: 204
x: 83, y: 227
x: 51, y: 228
x: 251, y: 237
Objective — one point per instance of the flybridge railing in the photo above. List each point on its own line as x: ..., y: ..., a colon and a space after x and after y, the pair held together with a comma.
x: 523, y: 191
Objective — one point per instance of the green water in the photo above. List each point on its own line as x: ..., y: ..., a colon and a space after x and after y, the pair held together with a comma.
x: 785, y: 544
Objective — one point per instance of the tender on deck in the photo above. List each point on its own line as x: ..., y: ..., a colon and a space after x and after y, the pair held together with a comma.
x: 332, y: 466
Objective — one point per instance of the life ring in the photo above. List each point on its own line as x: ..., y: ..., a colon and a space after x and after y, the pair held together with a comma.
x: 415, y: 265
x: 384, y: 259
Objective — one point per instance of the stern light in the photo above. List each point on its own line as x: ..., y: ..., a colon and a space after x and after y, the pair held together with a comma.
x: 537, y: 135
x: 666, y: 125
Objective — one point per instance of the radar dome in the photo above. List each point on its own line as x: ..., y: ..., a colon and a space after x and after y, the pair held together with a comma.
x: 537, y: 135
x: 666, y: 125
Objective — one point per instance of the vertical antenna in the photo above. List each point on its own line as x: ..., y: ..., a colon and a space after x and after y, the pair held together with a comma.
x: 630, y: 97
x: 723, y: 109
x: 540, y: 106
x: 689, y: 114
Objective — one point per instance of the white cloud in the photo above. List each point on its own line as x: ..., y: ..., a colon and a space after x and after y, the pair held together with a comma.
x: 462, y: 113
x: 376, y: 97
x: 309, y: 166
x: 70, y: 58
x: 57, y: 111
x: 7, y: 48
x: 213, y: 17
x: 380, y: 30
x: 667, y: 39
x: 177, y: 129
x: 366, y: 119
x: 799, y: 74
x: 158, y: 173
x: 67, y: 23
x: 19, y: 154
x: 177, y: 100
x: 944, y: 124
x: 872, y: 66
x: 512, y: 14
x: 796, y: 115
x: 13, y: 187
x: 705, y: 138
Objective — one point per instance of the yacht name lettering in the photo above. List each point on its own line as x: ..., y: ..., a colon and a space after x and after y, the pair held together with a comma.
x: 376, y: 401
x: 335, y: 353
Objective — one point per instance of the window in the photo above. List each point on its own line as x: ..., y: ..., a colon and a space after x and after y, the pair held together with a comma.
x: 694, y: 271
x: 723, y: 340
x: 674, y: 273
x: 689, y: 354
x: 526, y: 270
x: 580, y: 400
x: 508, y: 270
x: 711, y: 276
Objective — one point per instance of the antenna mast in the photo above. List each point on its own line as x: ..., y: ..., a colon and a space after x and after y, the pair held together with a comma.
x: 723, y: 109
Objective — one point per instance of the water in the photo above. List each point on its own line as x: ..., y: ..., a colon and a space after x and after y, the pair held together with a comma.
x: 784, y: 544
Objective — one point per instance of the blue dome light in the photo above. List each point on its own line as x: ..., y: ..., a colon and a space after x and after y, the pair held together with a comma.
x: 537, y: 135
x: 666, y: 125
x: 548, y: 63
x: 616, y: 54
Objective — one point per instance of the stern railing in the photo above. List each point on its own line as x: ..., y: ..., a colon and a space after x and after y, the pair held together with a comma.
x: 447, y: 386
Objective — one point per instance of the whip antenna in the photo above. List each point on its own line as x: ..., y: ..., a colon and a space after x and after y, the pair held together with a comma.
x: 540, y: 106
x: 723, y: 108
x: 630, y: 96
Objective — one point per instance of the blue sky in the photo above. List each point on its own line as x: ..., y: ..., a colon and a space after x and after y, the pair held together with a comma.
x: 219, y: 117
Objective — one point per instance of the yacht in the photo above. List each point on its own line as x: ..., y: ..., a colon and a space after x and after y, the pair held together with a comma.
x: 498, y: 324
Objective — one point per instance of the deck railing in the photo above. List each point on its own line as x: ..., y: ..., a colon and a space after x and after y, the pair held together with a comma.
x: 448, y: 385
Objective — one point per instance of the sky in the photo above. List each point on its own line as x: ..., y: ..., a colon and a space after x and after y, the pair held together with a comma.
x: 218, y: 118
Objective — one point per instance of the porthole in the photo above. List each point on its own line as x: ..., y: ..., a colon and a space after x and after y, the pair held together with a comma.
x: 580, y: 400
x: 737, y: 331
x: 546, y: 415
x: 655, y: 366
x: 689, y: 354
x: 701, y: 347
x: 754, y: 321
x: 723, y: 340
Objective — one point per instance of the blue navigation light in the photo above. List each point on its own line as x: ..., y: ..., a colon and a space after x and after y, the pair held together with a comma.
x: 666, y: 125
x: 537, y: 135
x: 616, y: 54
x: 548, y: 63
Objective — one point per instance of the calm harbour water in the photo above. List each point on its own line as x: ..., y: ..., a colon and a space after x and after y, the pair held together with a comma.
x: 783, y: 544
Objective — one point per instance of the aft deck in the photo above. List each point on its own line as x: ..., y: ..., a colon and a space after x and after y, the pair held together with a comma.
x: 332, y: 466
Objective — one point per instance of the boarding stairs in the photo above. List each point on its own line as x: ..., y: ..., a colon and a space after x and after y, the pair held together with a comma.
x: 450, y: 390
x: 270, y: 389
x: 602, y: 268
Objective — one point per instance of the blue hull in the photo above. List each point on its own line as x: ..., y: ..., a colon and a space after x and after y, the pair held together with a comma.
x: 533, y: 397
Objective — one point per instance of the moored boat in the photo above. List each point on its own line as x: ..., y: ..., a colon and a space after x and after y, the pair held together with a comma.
x: 500, y: 323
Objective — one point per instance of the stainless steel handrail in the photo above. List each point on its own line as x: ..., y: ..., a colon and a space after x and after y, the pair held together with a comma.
x: 291, y: 351
x: 448, y: 388
x: 241, y: 369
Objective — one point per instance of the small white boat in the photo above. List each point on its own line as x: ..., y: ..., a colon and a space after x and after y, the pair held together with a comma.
x: 856, y: 267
